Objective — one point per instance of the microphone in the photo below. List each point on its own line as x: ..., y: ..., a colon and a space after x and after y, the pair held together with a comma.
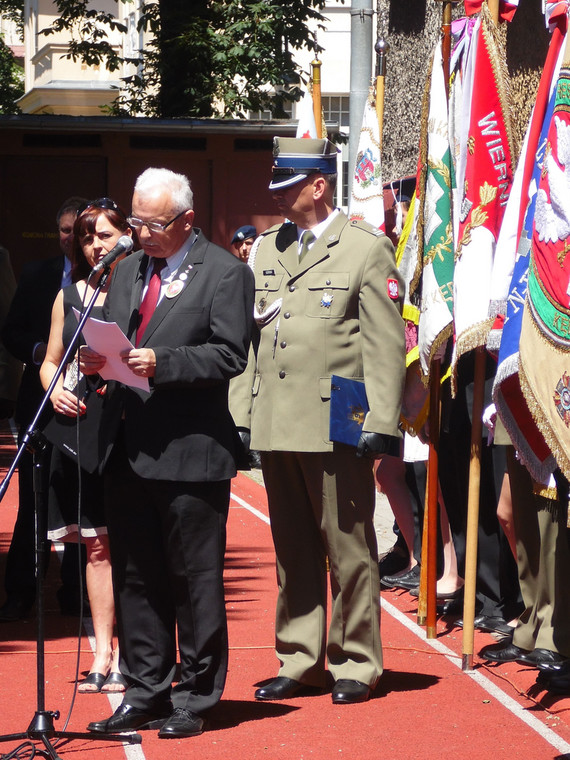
x: 124, y: 245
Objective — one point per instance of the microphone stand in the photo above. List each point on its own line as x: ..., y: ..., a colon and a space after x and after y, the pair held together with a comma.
x: 41, y: 727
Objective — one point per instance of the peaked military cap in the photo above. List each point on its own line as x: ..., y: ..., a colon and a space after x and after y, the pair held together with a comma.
x: 295, y: 158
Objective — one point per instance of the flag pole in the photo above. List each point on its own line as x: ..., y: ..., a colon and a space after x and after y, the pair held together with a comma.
x: 382, y: 49
x: 427, y: 606
x: 317, y: 100
x: 471, y: 540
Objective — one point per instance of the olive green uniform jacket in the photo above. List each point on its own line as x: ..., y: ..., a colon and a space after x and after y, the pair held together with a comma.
x: 336, y: 312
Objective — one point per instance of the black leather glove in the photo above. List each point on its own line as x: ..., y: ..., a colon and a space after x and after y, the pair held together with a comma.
x: 243, y: 451
x: 375, y: 445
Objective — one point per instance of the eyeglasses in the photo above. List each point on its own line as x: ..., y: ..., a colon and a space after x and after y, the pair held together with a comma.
x: 138, y: 224
x: 108, y: 203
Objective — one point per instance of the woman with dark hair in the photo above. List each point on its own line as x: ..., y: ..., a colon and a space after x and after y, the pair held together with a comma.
x: 76, y: 494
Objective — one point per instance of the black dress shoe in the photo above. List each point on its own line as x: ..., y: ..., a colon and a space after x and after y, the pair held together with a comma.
x: 490, y: 624
x: 128, y: 718
x: 541, y: 658
x: 408, y: 580
x: 279, y: 688
x: 181, y: 724
x: 504, y: 651
x: 556, y: 681
x: 346, y: 692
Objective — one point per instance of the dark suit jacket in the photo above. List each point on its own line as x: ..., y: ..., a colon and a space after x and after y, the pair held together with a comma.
x: 182, y: 430
x: 28, y: 323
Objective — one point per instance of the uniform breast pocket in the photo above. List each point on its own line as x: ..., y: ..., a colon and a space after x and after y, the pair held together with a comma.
x: 267, y: 287
x: 327, y: 295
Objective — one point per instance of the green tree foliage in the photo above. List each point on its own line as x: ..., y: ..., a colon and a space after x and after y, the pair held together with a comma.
x: 13, y: 10
x: 207, y: 57
x: 11, y: 75
x: 11, y: 81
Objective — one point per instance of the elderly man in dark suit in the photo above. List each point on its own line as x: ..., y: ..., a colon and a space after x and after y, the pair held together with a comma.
x: 169, y: 456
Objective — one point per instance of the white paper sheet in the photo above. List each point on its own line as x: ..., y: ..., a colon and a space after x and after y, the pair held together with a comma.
x: 107, y: 339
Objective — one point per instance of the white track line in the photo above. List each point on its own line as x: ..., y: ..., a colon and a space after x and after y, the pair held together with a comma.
x: 489, y: 686
x: 485, y: 683
x: 251, y: 509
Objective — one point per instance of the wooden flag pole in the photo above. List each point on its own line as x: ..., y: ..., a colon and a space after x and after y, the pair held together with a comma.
x: 493, y: 6
x: 427, y: 606
x: 317, y: 101
x: 471, y: 540
x: 382, y: 49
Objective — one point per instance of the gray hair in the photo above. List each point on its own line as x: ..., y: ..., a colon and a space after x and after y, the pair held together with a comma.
x: 178, y: 185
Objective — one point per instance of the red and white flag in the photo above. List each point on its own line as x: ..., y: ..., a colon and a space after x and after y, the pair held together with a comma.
x: 306, y: 126
x: 367, y: 194
x: 485, y: 189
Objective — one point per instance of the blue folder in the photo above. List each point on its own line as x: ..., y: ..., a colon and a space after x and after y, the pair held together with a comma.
x: 349, y: 407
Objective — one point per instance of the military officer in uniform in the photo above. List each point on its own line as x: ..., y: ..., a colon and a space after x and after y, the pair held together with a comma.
x: 328, y: 301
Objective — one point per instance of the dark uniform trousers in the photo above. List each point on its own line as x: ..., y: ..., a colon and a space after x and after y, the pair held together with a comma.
x: 322, y: 504
x: 167, y: 543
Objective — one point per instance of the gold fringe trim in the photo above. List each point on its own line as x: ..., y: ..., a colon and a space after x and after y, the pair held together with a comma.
x: 542, y: 423
x: 495, y: 37
x: 545, y: 492
x: 442, y: 338
x: 472, y: 338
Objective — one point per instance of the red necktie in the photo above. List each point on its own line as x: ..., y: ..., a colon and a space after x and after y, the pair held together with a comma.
x: 148, y: 304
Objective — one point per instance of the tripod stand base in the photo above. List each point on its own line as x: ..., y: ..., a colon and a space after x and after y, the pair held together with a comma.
x: 42, y: 729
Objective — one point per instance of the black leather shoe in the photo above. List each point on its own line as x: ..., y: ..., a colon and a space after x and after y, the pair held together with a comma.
x: 128, y: 718
x: 556, y: 681
x: 541, y: 658
x: 346, y: 692
x: 408, y: 580
x: 279, y: 688
x: 490, y: 624
x: 181, y: 724
x: 504, y: 651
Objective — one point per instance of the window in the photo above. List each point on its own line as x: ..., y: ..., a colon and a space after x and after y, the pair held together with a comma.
x: 336, y: 109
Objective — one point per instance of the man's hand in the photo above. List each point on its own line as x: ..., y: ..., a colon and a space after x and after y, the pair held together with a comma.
x: 90, y: 362
x: 371, y: 445
x: 141, y: 361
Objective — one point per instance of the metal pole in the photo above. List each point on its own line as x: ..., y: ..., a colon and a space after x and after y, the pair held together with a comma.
x: 360, y: 71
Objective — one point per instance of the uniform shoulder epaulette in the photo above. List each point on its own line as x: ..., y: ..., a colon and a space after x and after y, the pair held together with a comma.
x: 366, y: 227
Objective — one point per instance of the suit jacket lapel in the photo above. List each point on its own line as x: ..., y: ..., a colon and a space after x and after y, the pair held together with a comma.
x: 195, y: 256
